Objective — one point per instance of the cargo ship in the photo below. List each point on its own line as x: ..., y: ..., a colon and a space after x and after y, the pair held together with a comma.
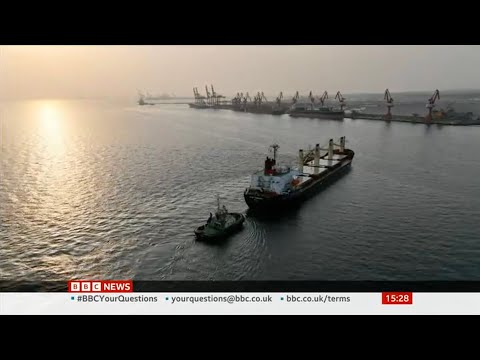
x: 199, y: 105
x: 442, y: 117
x: 324, y: 112
x: 280, y: 186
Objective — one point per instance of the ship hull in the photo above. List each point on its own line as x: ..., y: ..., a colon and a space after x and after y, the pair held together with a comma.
x: 259, y: 201
x: 198, y: 106
x: 333, y: 115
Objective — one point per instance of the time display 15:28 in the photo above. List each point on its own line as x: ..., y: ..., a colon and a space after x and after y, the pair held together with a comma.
x: 397, y: 298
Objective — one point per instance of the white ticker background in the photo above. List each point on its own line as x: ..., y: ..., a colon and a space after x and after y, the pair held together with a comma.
x: 188, y: 303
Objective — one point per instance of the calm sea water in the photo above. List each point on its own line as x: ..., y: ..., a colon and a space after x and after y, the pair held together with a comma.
x: 105, y: 189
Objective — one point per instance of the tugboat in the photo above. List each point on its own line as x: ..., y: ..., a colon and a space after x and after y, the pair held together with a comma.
x: 220, y: 225
x: 276, y: 187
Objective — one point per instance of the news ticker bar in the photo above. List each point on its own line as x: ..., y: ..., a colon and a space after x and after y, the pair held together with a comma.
x: 395, y: 303
x: 257, y: 286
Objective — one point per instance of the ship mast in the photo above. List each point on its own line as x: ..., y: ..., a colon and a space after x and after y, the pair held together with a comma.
x: 275, y: 148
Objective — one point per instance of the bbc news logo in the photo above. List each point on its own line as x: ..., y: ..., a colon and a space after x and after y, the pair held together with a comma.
x: 88, y: 286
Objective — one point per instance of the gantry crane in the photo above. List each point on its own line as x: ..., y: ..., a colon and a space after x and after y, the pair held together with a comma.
x: 214, y: 96
x: 195, y: 95
x: 208, y: 95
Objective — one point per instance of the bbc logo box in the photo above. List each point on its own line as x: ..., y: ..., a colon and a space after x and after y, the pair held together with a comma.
x: 97, y: 286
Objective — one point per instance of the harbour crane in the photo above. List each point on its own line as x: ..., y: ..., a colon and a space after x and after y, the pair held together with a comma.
x: 258, y: 99
x: 208, y: 94
x: 195, y: 94
x: 214, y: 96
x: 246, y: 98
x: 323, y: 97
x: 431, y: 104
x: 312, y: 98
x: 239, y: 98
x: 235, y: 99
x: 263, y: 97
x: 389, y: 100
x: 295, y: 98
x: 341, y: 99
x: 279, y: 98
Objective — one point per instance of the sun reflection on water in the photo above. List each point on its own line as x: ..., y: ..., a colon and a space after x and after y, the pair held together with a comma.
x: 50, y: 118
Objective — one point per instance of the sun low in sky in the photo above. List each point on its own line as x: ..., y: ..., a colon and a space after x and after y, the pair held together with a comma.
x: 99, y: 71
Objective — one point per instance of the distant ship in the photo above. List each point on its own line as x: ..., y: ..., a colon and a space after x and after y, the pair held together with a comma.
x: 446, y: 117
x: 277, y: 186
x: 165, y: 96
x: 324, y: 112
x: 141, y: 100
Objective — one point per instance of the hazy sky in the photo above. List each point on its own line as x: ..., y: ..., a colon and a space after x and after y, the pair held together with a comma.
x: 72, y: 71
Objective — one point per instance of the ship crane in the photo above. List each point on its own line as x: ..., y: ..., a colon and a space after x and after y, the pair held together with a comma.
x: 431, y: 104
x: 389, y: 100
x: 341, y: 99
x: 309, y: 155
x: 279, y: 98
x: 323, y: 97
